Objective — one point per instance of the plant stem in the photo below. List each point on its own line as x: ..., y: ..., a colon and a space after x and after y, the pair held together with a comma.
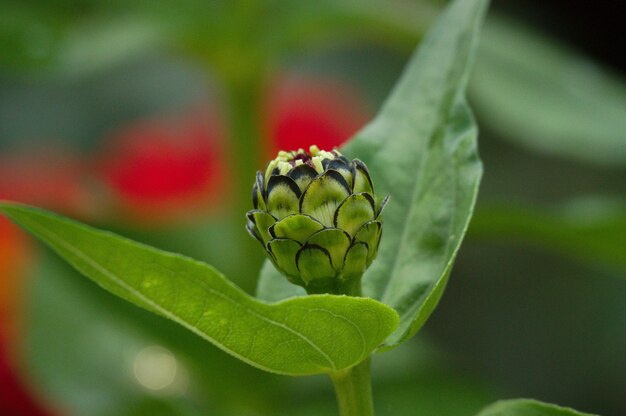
x: 351, y: 288
x: 244, y: 105
x: 354, y: 390
x: 244, y: 112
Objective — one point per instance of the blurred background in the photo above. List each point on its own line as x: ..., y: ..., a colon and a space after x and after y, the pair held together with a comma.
x: 150, y: 118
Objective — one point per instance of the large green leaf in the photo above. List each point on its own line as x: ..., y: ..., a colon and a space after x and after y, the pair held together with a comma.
x: 527, y: 407
x: 540, y: 94
x: 309, y: 335
x: 420, y: 149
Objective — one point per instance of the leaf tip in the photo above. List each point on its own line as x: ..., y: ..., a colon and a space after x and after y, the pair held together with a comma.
x: 11, y: 208
x: 6, y: 207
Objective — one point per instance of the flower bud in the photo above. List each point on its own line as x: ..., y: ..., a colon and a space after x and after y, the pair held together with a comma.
x: 316, y: 215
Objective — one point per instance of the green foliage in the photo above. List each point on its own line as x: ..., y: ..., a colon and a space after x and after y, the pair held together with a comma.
x: 309, y: 335
x: 592, y: 230
x: 526, y: 407
x: 540, y: 94
x: 420, y: 150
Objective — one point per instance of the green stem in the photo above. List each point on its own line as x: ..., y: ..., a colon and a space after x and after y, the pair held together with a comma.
x: 244, y: 113
x: 351, y: 287
x: 354, y: 390
x: 244, y: 105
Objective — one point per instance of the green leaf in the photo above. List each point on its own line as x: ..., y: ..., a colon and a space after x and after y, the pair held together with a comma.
x: 542, y: 95
x: 308, y: 335
x: 527, y: 407
x: 421, y: 150
x: 589, y: 229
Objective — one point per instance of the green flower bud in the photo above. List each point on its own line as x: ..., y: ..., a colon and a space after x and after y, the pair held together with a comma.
x: 316, y: 215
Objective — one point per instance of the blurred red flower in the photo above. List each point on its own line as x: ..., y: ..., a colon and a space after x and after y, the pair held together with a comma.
x: 13, y: 259
x: 52, y: 178
x: 161, y: 168
x: 15, y: 397
x: 307, y: 110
